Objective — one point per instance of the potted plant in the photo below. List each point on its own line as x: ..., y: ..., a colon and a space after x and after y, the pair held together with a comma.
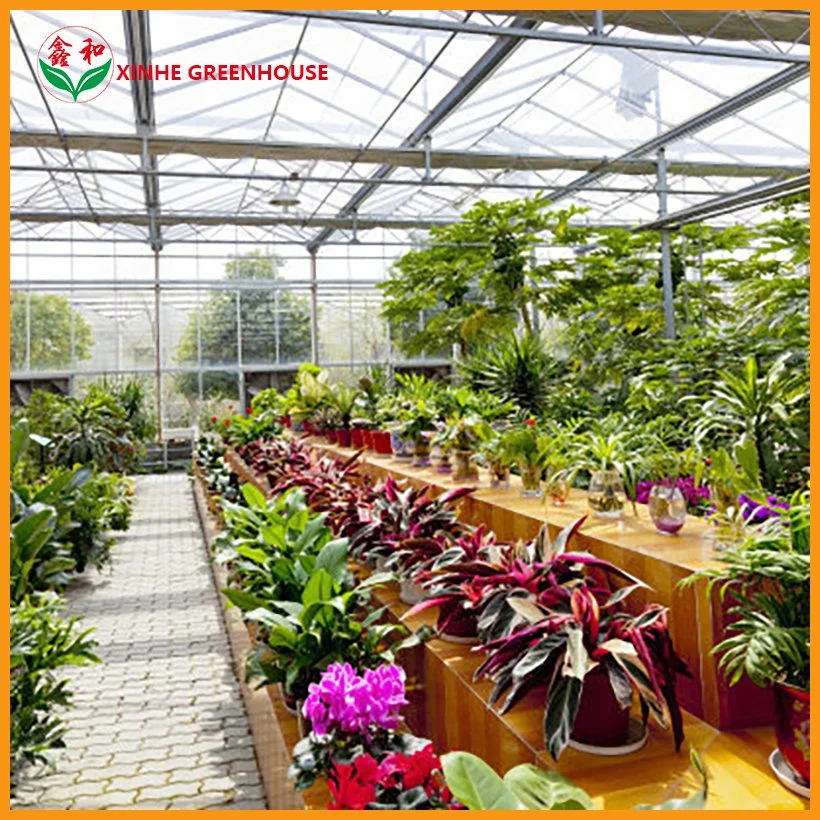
x: 494, y: 455
x: 343, y: 400
x: 460, y: 436
x: 766, y: 578
x: 592, y: 659
x: 415, y: 419
x: 351, y: 713
x: 606, y: 455
x: 529, y: 451
x: 666, y: 501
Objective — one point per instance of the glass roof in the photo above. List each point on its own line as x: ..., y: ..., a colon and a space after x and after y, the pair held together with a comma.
x: 548, y: 95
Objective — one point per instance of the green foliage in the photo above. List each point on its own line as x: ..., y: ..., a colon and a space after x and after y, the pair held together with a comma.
x: 258, y: 307
x: 516, y: 369
x: 41, y: 644
x: 477, y: 278
x: 767, y: 580
x: 132, y: 396
x: 50, y: 320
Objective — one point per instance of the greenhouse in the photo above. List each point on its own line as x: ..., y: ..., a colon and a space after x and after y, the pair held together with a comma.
x: 409, y: 409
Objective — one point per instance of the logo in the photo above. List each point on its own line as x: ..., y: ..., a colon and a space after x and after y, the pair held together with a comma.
x: 75, y: 64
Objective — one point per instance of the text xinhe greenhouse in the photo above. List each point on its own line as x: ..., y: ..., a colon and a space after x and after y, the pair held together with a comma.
x: 231, y: 71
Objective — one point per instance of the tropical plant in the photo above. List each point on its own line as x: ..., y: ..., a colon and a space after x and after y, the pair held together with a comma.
x: 41, y: 645
x: 766, y: 579
x: 760, y: 407
x: 515, y: 369
x: 342, y: 399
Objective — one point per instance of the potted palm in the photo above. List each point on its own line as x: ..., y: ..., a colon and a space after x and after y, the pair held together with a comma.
x: 342, y: 399
x: 766, y: 579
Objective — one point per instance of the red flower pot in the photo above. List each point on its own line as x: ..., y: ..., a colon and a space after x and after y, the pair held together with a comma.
x: 457, y: 625
x: 343, y: 438
x: 367, y: 439
x: 330, y: 435
x: 600, y: 720
x: 357, y: 437
x: 285, y: 420
x: 309, y: 428
x: 381, y: 442
x: 791, y: 727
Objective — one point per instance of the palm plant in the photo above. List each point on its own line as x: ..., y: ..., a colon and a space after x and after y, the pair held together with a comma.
x: 516, y: 369
x: 342, y: 399
x: 759, y: 406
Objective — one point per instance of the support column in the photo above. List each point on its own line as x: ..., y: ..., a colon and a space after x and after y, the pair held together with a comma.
x: 314, y: 310
x: 666, y: 254
x: 240, y: 370
x: 158, y: 345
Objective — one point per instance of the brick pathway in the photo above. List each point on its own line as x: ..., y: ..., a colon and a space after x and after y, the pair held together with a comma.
x: 160, y: 724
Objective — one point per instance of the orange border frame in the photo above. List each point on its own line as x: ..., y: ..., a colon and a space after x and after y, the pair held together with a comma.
x: 4, y: 319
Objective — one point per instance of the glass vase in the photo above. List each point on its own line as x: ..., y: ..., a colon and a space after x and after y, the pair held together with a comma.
x: 667, y: 508
x: 606, y: 494
x: 499, y: 476
x: 557, y: 489
x: 464, y: 469
x: 444, y: 464
x: 531, y: 481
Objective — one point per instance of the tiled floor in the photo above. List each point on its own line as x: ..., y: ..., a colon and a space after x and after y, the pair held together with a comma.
x: 161, y: 722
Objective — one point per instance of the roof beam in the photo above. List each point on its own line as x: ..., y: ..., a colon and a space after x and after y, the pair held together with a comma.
x: 495, y: 55
x: 159, y: 145
x: 138, y: 48
x: 726, y: 108
x: 549, y: 35
x: 753, y: 195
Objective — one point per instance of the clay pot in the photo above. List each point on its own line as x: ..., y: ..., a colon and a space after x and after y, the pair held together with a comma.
x: 791, y: 727
x: 600, y: 720
x: 343, y: 438
x: 357, y: 437
x: 330, y: 435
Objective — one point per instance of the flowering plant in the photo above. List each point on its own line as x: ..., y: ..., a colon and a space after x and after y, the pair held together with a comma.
x: 401, y: 781
x: 351, y: 715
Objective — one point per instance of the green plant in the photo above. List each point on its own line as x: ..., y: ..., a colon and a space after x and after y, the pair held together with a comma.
x: 41, y: 644
x: 461, y: 433
x: 515, y: 369
x: 342, y: 399
x: 766, y: 578
x: 476, y: 786
x: 759, y: 407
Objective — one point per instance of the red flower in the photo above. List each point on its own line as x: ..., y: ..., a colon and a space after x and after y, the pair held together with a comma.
x: 353, y: 787
x: 249, y: 410
x: 214, y: 419
x: 530, y: 422
x: 420, y: 767
x: 227, y: 422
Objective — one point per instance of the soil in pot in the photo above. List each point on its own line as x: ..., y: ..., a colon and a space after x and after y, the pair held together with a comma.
x: 791, y: 727
x: 343, y: 438
x: 600, y: 720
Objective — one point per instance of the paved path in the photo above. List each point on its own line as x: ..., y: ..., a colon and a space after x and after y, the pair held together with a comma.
x: 160, y: 724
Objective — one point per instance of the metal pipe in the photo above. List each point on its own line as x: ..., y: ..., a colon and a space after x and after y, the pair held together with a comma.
x: 314, y: 311
x: 158, y: 349
x: 666, y: 256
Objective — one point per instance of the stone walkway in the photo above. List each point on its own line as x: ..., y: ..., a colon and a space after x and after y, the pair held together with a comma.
x: 160, y: 724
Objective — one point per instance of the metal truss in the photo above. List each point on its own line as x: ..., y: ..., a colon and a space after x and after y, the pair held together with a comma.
x: 591, y: 38
x: 396, y: 157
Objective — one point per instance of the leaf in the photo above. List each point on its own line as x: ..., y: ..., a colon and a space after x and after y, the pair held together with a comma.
x: 92, y: 78
x: 527, y: 609
x: 319, y: 588
x: 333, y: 559
x: 475, y: 784
x: 244, y: 600
x: 58, y: 78
x: 539, y: 789
x: 254, y: 497
x: 19, y: 441
x: 562, y: 708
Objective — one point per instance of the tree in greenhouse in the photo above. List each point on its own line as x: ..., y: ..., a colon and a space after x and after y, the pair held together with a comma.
x: 50, y: 317
x: 257, y: 311
x: 477, y: 278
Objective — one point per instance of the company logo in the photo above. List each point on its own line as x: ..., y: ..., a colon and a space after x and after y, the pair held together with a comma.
x: 75, y: 64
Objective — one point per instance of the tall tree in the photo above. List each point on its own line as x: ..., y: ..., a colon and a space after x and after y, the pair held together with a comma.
x: 50, y: 318
x: 258, y: 307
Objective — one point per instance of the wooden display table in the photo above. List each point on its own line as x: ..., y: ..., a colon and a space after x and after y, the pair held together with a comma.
x: 696, y: 620
x: 453, y: 711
